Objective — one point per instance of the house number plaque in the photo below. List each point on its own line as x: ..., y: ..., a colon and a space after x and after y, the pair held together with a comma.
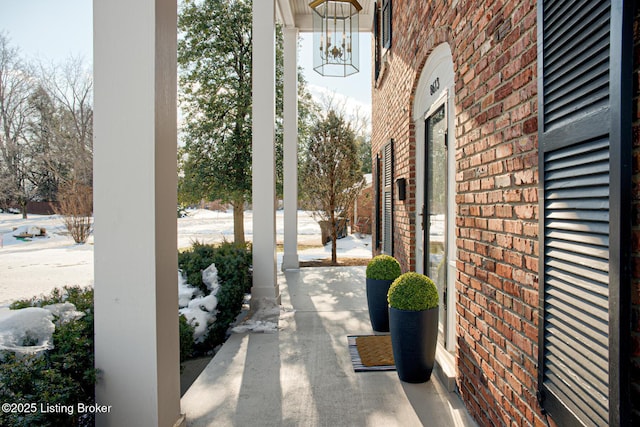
x: 434, y: 86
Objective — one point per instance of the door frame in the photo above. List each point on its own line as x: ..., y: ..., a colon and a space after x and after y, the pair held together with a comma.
x: 425, y: 222
x: 435, y: 87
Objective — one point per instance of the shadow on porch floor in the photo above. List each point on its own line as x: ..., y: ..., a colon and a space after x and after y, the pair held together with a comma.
x: 302, y: 375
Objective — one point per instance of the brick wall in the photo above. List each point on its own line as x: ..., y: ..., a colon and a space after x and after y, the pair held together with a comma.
x: 494, y: 54
x: 497, y: 198
x: 362, y: 224
x: 392, y: 120
x: 635, y: 291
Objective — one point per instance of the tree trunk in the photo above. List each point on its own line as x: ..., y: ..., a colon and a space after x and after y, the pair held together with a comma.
x: 238, y: 221
x: 334, y: 239
x: 23, y: 207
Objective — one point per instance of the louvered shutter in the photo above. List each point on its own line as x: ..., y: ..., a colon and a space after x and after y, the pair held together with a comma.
x: 387, y: 199
x: 581, y: 141
x: 377, y: 183
x: 386, y: 23
x: 377, y: 42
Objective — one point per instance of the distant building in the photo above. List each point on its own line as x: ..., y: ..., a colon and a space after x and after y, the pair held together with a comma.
x: 363, y: 209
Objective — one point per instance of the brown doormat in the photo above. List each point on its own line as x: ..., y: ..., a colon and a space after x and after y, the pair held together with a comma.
x: 371, y: 353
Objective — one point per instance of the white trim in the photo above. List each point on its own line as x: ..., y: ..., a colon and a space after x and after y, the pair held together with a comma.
x: 136, y: 327
x: 285, y: 13
x: 430, y: 95
x: 265, y: 284
x: 290, y: 154
x: 437, y: 104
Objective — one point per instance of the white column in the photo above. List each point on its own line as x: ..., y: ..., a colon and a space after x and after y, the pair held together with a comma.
x: 264, y: 178
x: 290, y: 155
x: 136, y: 295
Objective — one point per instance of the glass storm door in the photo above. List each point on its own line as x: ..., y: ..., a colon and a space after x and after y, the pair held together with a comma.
x: 435, y: 249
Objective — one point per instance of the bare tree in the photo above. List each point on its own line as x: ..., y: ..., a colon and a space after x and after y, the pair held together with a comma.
x: 70, y: 122
x: 331, y: 173
x: 16, y: 160
x: 46, y: 128
x: 76, y: 208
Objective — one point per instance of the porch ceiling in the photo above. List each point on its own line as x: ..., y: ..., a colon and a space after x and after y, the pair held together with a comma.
x: 297, y: 13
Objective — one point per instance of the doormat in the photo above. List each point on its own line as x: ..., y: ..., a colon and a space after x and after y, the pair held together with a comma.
x: 371, y: 353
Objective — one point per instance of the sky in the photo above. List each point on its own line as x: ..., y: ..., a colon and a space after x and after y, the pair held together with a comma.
x: 54, y: 30
x: 356, y: 87
x: 51, y: 30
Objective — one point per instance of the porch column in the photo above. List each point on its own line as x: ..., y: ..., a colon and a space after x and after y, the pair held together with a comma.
x: 264, y: 171
x: 136, y: 295
x: 290, y: 166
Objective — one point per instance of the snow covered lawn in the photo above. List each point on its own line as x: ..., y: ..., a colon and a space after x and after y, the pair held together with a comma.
x: 35, y: 266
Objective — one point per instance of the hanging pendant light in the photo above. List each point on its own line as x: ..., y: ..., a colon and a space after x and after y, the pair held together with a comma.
x: 335, y: 37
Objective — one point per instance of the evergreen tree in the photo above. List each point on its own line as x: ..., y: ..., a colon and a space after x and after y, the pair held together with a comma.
x: 331, y: 173
x: 214, y: 56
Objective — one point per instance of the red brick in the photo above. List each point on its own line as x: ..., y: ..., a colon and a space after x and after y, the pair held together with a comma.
x: 530, y: 125
x: 496, y: 189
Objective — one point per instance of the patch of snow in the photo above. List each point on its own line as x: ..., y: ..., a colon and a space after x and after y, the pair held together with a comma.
x: 199, y: 310
x: 263, y: 319
x: 210, y: 279
x: 34, y: 325
x: 256, y: 326
x: 31, y: 323
x: 351, y: 246
x: 186, y: 292
x: 64, y: 312
x: 199, y: 319
x: 27, y: 230
x: 208, y: 303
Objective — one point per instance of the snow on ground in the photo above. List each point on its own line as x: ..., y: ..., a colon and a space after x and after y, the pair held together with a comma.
x: 32, y: 267
x: 215, y: 226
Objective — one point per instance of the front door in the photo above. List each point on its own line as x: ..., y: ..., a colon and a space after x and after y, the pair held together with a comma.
x: 435, y: 215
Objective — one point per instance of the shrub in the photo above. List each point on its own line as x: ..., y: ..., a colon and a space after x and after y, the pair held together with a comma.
x: 233, y: 262
x: 82, y: 298
x: 186, y: 339
x: 64, y: 375
x: 194, y: 261
x: 76, y: 208
x: 383, y: 267
x: 413, y: 291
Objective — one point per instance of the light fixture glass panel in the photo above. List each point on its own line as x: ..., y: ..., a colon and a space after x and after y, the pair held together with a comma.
x: 335, y: 37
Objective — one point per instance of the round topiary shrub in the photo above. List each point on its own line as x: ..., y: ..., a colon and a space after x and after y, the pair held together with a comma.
x: 383, y: 267
x: 413, y: 292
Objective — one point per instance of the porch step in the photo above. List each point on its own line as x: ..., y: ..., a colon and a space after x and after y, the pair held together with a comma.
x: 446, y: 368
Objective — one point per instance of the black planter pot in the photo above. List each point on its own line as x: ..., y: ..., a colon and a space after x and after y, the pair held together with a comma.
x: 414, y: 337
x: 378, y: 307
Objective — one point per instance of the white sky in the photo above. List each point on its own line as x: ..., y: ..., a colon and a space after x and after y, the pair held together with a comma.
x: 54, y: 30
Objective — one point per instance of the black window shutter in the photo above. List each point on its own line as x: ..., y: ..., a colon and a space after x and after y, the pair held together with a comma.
x: 584, y: 153
x: 387, y: 199
x: 386, y: 23
x: 377, y: 212
x: 377, y: 42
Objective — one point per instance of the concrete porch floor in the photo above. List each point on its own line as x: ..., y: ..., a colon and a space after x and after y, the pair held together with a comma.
x: 302, y: 375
